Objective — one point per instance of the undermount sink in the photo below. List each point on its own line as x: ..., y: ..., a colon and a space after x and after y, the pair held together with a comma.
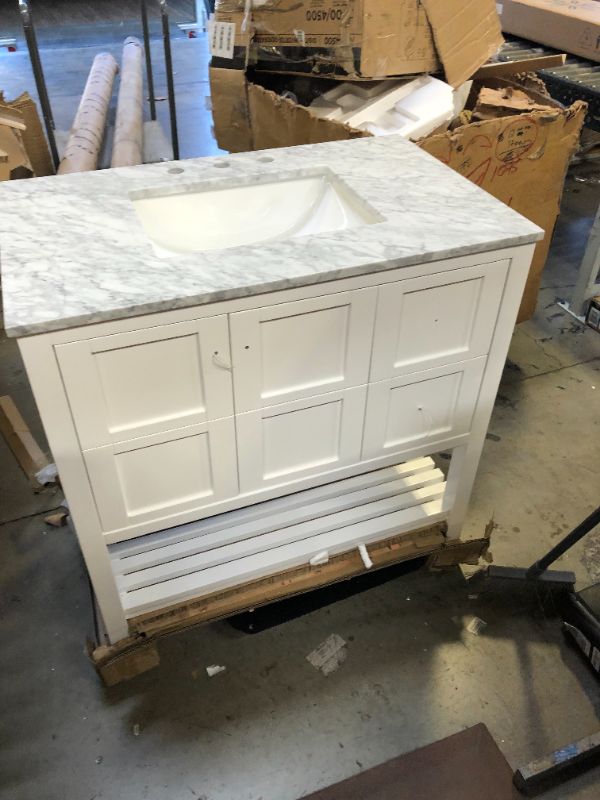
x: 215, y: 218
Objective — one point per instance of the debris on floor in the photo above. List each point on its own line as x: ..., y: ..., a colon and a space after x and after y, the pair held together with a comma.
x: 214, y: 669
x: 329, y: 655
x: 58, y: 519
x: 476, y: 625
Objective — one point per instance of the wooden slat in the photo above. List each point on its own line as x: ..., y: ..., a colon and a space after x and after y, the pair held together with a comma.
x: 281, y: 558
x: 319, y: 524
x: 225, y: 521
x: 276, y: 522
x: 20, y: 439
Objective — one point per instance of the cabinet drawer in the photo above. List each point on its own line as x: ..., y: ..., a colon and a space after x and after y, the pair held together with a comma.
x: 128, y: 385
x: 436, y: 319
x: 411, y: 410
x: 301, y: 349
x: 284, y: 443
x: 159, y: 476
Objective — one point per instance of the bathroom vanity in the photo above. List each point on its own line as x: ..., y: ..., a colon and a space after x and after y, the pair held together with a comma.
x: 245, y: 364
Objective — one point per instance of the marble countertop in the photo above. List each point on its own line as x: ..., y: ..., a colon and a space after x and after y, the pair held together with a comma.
x: 73, y: 252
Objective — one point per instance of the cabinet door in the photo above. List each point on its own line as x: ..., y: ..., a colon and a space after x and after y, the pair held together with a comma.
x: 436, y: 319
x: 281, y: 444
x: 155, y: 477
x: 301, y: 349
x: 134, y: 384
x: 411, y: 410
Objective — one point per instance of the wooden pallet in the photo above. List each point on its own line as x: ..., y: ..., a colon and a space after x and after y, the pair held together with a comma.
x: 138, y: 652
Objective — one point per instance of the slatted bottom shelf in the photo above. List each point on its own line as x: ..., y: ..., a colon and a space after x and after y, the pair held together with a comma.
x: 177, y: 564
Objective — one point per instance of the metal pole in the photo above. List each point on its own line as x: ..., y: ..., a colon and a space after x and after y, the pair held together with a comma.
x: 38, y: 74
x: 164, y: 10
x: 567, y: 542
x: 149, y: 75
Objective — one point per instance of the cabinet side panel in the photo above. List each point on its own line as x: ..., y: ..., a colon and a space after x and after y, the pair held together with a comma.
x: 49, y: 393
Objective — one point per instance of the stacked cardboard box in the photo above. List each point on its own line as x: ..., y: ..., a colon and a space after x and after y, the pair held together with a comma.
x: 272, y: 59
x: 569, y: 25
x: 360, y: 39
x: 23, y: 147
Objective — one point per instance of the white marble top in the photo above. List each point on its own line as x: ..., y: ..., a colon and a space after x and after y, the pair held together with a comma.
x: 72, y: 251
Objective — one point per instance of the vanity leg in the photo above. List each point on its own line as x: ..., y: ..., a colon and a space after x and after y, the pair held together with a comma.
x: 46, y: 383
x: 459, y: 484
x: 465, y: 459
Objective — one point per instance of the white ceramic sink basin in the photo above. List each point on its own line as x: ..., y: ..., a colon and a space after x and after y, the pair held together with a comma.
x: 215, y: 218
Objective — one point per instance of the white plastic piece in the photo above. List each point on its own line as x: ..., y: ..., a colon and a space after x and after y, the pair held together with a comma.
x: 364, y: 554
x: 214, y: 669
x: 319, y: 558
x: 410, y: 108
x: 47, y: 474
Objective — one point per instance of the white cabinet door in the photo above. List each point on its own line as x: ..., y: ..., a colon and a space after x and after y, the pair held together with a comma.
x: 436, y: 319
x: 411, y: 410
x: 282, y: 444
x: 301, y: 349
x: 156, y: 477
x: 153, y: 380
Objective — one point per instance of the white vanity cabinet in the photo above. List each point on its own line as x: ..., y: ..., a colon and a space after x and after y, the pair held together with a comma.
x: 168, y: 429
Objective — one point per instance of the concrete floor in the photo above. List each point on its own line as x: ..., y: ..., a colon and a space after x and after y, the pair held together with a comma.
x: 271, y: 727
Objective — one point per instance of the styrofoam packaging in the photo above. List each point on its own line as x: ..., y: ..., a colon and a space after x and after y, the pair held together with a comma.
x: 411, y: 108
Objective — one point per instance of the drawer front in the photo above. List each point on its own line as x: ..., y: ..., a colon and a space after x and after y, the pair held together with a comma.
x: 128, y: 385
x: 281, y: 444
x: 435, y: 320
x: 156, y: 477
x: 411, y: 410
x: 302, y: 349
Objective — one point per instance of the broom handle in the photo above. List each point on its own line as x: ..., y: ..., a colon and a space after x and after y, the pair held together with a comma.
x: 569, y: 540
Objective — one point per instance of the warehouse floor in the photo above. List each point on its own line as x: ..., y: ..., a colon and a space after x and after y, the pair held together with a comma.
x: 271, y: 726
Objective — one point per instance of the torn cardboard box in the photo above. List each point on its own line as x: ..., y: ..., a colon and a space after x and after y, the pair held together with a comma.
x: 570, y: 25
x: 17, y: 163
x: 360, y: 38
x: 22, y: 139
x: 521, y: 159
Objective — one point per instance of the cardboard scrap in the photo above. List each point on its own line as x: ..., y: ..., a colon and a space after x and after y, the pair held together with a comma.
x: 504, y: 102
x: 466, y: 35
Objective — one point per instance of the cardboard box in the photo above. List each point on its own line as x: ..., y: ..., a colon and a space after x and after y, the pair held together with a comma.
x: 521, y: 159
x: 569, y: 25
x: 17, y: 164
x: 362, y: 38
x: 22, y: 140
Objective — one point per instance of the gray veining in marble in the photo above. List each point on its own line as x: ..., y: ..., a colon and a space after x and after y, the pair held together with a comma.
x: 72, y: 251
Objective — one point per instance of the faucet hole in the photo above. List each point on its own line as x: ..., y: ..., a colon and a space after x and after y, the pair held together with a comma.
x: 175, y: 170
x: 266, y: 159
x: 221, y: 164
